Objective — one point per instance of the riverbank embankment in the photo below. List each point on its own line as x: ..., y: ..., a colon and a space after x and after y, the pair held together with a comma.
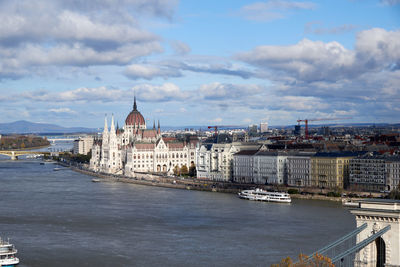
x: 198, y: 184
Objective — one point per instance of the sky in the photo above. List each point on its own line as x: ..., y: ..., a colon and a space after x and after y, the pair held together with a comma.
x: 208, y: 62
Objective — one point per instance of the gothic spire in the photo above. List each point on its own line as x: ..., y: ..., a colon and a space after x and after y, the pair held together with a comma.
x: 154, y: 125
x: 112, y: 130
x: 105, y: 124
x: 134, y: 103
x: 158, y: 130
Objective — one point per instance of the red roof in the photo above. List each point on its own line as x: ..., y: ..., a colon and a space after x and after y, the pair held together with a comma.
x: 175, y: 145
x: 144, y: 146
x: 149, y: 133
x: 134, y: 118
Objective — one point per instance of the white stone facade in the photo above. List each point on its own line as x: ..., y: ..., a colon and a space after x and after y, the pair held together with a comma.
x: 134, y: 148
x: 270, y: 168
x: 215, y: 161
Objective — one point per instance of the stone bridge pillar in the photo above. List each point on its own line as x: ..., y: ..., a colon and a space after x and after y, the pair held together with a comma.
x: 385, y: 250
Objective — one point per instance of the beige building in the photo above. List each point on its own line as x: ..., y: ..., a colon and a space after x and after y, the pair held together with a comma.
x: 330, y: 170
x: 83, y: 145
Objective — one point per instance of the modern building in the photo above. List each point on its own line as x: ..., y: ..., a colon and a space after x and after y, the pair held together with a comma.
x: 330, y: 169
x: 263, y: 127
x: 253, y: 129
x: 134, y: 148
x: 83, y: 145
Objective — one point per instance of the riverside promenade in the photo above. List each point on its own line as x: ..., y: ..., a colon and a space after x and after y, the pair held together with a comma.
x: 200, y: 184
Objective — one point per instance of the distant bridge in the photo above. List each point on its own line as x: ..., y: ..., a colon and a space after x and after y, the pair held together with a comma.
x: 14, y: 154
x: 61, y: 139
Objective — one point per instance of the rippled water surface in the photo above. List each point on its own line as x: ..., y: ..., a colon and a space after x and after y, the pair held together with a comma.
x: 61, y: 218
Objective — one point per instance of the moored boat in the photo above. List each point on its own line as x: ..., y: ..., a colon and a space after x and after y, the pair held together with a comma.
x: 7, y: 254
x: 262, y: 195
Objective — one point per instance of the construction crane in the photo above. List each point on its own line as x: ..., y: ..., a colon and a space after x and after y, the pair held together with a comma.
x: 318, y: 119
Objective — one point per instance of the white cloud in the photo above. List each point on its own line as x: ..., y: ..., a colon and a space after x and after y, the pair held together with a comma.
x: 180, y: 47
x: 173, y: 68
x: 273, y: 9
x: 62, y: 110
x: 220, y: 91
x: 78, y: 33
x: 302, y: 103
x: 148, y: 72
x: 159, y: 93
x: 102, y: 94
x: 307, y: 60
x: 315, y: 27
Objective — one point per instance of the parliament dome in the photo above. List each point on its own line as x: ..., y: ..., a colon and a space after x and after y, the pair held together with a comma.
x: 135, y: 117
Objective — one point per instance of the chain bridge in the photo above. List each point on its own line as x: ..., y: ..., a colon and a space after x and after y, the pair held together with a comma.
x: 376, y: 240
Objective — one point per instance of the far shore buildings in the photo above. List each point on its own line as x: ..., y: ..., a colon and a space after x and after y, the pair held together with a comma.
x: 83, y: 145
x: 214, y: 161
x: 374, y: 172
x: 135, y: 148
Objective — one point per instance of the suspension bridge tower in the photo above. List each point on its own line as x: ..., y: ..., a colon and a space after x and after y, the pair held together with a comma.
x: 381, y: 235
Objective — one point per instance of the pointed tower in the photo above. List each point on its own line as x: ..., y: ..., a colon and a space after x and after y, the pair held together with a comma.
x: 105, y: 125
x: 134, y: 104
x: 112, y: 130
x: 154, y: 125
x: 105, y: 136
x: 158, y: 130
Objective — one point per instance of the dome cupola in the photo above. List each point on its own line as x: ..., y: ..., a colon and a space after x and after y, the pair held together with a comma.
x: 135, y: 117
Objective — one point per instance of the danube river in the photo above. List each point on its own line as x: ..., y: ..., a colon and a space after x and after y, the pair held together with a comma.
x: 61, y: 218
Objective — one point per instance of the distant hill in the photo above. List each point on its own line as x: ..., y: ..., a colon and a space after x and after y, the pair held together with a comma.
x: 26, y: 127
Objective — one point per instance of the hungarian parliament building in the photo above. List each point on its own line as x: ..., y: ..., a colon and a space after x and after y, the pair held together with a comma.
x: 134, y: 148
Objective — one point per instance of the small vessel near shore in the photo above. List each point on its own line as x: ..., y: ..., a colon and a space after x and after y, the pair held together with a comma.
x: 95, y: 180
x: 262, y: 195
x: 7, y: 254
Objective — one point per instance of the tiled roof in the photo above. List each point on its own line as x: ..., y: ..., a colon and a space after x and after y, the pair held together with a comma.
x: 149, y: 134
x: 145, y: 146
x: 175, y: 145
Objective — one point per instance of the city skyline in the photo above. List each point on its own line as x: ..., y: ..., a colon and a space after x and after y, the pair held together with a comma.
x: 199, y: 63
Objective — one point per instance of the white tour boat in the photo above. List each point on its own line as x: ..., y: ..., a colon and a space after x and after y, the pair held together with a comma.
x: 7, y: 254
x: 262, y: 195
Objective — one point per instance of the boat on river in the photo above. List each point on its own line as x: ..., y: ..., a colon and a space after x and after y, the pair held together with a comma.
x: 262, y: 195
x: 7, y: 254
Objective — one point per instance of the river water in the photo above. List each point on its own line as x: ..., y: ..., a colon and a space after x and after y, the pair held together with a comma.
x: 61, y: 218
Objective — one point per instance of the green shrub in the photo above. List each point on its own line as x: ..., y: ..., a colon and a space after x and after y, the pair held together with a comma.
x: 293, y: 191
x: 333, y: 194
